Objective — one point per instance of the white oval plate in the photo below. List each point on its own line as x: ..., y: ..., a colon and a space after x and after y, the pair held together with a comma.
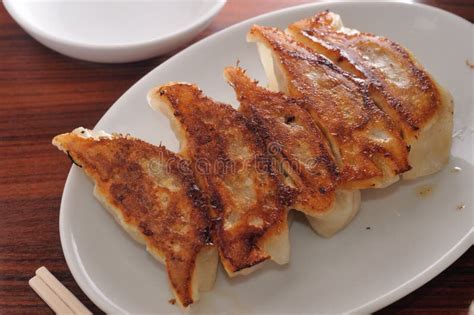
x: 113, y: 31
x: 411, y: 238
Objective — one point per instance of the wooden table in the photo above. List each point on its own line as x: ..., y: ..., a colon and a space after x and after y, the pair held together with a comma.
x: 43, y: 94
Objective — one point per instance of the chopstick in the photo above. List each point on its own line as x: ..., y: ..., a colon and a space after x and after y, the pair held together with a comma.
x: 48, y: 295
x: 55, y: 294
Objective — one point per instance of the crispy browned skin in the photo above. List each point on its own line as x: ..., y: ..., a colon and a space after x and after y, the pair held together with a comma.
x: 298, y: 144
x: 153, y: 194
x: 397, y: 82
x: 367, y: 145
x: 248, y: 199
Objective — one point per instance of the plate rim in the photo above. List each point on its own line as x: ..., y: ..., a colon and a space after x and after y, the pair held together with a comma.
x: 371, y: 306
x: 28, y: 27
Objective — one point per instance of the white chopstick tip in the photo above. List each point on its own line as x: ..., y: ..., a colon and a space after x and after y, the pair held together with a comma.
x: 48, y: 296
x: 52, y: 285
x: 40, y: 270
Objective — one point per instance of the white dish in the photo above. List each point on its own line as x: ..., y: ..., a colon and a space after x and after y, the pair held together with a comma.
x: 113, y: 31
x: 411, y: 238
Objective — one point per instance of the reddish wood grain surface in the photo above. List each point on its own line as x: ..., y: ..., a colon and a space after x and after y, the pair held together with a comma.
x: 42, y: 94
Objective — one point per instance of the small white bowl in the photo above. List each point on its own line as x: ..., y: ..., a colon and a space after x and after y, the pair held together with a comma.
x: 113, y: 31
